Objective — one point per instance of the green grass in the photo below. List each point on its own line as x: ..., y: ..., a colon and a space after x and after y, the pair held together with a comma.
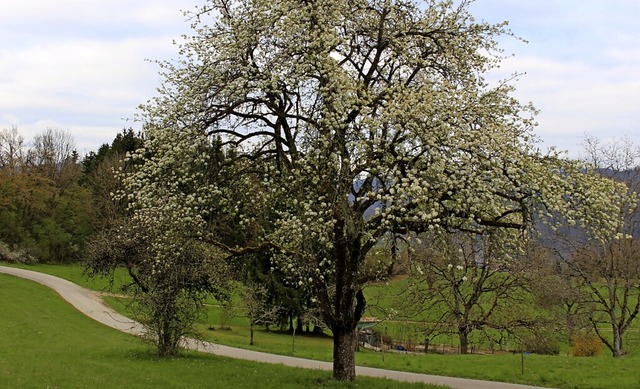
x: 45, y: 343
x: 75, y: 274
x: 552, y: 371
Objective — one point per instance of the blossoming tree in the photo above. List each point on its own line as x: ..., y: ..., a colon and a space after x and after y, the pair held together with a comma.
x: 158, y: 240
x: 358, y: 118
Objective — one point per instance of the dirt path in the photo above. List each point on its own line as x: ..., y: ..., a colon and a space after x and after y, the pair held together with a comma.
x: 90, y: 304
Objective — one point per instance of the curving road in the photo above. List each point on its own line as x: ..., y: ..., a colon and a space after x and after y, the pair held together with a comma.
x: 90, y: 304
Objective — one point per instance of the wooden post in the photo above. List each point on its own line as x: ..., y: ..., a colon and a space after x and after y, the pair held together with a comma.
x: 293, y: 341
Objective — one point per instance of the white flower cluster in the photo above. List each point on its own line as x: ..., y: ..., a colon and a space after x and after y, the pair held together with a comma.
x: 363, y: 118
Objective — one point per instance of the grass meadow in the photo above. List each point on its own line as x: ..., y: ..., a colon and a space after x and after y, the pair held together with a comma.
x: 46, y: 343
x: 561, y: 371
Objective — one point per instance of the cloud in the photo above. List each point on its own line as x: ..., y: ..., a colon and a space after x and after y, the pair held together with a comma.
x: 118, y: 17
x: 79, y: 65
x: 581, y: 65
x: 86, y: 69
x: 578, y: 98
x: 87, y: 80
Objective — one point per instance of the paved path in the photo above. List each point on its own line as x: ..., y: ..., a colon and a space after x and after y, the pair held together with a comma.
x: 90, y: 304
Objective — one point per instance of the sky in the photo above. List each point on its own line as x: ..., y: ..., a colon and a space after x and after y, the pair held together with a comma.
x: 85, y: 66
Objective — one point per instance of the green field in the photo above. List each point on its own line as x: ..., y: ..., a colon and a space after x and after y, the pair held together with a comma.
x: 563, y: 371
x: 45, y: 343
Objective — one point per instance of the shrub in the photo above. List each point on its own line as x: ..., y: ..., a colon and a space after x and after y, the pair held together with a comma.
x: 543, y: 346
x: 541, y: 341
x: 14, y: 256
x: 585, y: 345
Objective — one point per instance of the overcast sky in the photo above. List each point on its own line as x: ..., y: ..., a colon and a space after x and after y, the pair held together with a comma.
x: 82, y: 65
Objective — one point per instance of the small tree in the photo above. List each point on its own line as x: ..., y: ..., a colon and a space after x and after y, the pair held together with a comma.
x: 12, y: 151
x: 472, y: 281
x: 258, y: 310
x: 167, y: 290
x: 611, y: 274
x: 556, y: 291
x: 160, y: 241
x: 54, y: 156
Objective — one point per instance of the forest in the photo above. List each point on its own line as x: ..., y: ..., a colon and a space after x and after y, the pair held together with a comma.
x: 53, y: 199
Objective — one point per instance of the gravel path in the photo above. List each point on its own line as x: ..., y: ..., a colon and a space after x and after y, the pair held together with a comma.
x: 90, y: 304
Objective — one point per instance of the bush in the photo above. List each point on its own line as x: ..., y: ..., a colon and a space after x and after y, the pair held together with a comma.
x: 14, y: 256
x: 541, y: 341
x: 585, y: 345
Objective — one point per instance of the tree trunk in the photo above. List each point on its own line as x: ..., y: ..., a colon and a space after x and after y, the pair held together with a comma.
x: 343, y: 310
x: 251, y: 337
x: 464, y: 342
x: 299, y: 325
x: 344, y: 360
x: 167, y: 346
x: 617, y: 343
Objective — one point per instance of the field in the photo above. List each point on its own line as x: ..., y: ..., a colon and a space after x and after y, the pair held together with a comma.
x: 45, y: 343
x: 563, y: 371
